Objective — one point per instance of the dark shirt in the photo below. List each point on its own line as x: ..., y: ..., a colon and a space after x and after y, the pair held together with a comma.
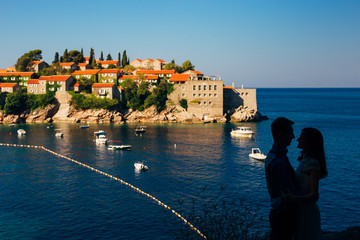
x: 280, y: 176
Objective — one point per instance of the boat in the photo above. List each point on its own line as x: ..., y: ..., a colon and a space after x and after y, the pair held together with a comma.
x: 100, y: 137
x: 84, y: 126
x: 50, y: 126
x: 59, y: 134
x: 242, y: 132
x: 21, y: 132
x: 119, y: 147
x: 140, y: 129
x: 139, y: 166
x: 257, y: 154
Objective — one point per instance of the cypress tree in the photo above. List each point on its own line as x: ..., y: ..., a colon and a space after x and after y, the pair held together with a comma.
x: 66, y: 56
x: 124, y: 59
x: 109, y: 57
x: 56, y: 58
x: 119, y: 57
x: 82, y: 52
x: 92, y: 61
x: 101, y: 56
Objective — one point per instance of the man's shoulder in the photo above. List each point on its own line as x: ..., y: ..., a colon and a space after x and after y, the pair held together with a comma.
x: 274, y: 161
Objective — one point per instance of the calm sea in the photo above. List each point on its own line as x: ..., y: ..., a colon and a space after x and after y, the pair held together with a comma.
x: 43, y: 196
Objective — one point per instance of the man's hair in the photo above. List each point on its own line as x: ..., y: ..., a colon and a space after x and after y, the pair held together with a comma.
x: 280, y: 125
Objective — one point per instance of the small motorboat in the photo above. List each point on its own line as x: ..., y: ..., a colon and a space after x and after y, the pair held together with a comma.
x: 50, y: 126
x: 100, y: 137
x: 139, y: 166
x: 257, y: 154
x: 242, y: 132
x: 140, y: 129
x: 21, y: 132
x: 119, y: 147
x: 84, y: 126
x: 59, y: 134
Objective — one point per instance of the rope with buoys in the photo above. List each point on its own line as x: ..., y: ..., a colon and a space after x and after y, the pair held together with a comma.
x: 114, y: 178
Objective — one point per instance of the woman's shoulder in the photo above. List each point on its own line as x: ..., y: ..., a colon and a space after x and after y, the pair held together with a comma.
x: 309, y: 163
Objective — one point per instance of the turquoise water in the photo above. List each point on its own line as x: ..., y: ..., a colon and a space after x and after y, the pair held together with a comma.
x: 46, y: 197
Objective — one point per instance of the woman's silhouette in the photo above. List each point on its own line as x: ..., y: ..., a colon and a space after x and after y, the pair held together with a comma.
x: 311, y: 169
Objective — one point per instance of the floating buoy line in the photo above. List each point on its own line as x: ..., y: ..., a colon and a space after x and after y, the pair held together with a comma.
x: 114, y: 178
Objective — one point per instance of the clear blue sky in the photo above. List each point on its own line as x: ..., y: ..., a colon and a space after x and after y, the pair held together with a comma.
x: 258, y: 43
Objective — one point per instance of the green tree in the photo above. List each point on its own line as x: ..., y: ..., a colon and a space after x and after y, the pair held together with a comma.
x: 183, y: 103
x: 25, y: 62
x: 108, y: 57
x: 101, y: 56
x: 111, y: 66
x: 75, y: 56
x: 124, y: 61
x: 187, y: 66
x: 172, y: 65
x: 66, y: 56
x: 119, y: 57
x: 14, y: 103
x: 92, y: 61
x: 56, y: 58
x: 86, y: 84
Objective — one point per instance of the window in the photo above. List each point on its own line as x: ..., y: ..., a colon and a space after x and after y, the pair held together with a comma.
x: 42, y: 83
x: 215, y: 87
x: 13, y: 78
x: 77, y: 76
x: 60, y: 89
x: 199, y: 87
x: 51, y: 83
x: 215, y: 94
x: 5, y: 78
x: 43, y: 89
x: 183, y: 95
x: 204, y: 87
x: 204, y: 103
x: 51, y: 89
x: 204, y: 94
x: 60, y: 83
x: 161, y: 75
x: 102, y: 91
x: 199, y: 103
x: 111, y: 80
x: 194, y: 94
x: 210, y: 103
x: 25, y: 84
x: 209, y: 87
x: 209, y: 94
x: 199, y: 94
x: 26, y: 78
x: 21, y: 83
x: 194, y: 87
x: 31, y: 90
x: 183, y: 88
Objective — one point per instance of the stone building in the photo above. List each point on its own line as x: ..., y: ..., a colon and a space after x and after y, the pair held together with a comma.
x: 105, y: 64
x: 105, y: 90
x: 139, y: 78
x: 204, y: 95
x: 89, y: 74
x: 52, y: 83
x: 39, y: 65
x: 236, y: 97
x: 149, y: 64
x: 10, y: 87
x: 109, y: 75
x: 84, y: 66
x: 68, y: 65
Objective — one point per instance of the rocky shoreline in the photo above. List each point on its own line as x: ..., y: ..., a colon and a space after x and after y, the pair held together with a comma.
x: 172, y: 114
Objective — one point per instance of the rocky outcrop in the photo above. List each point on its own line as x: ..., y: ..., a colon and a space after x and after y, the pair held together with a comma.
x: 172, y: 114
x: 242, y: 114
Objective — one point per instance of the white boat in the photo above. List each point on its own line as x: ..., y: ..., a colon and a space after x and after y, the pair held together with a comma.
x: 119, y: 147
x: 100, y: 137
x: 84, y: 126
x: 21, y: 132
x: 59, y: 134
x: 140, y: 129
x: 242, y: 132
x: 139, y: 166
x: 257, y: 154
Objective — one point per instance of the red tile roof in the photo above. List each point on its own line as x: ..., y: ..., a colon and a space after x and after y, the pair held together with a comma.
x: 86, y: 72
x: 135, y: 77
x: 82, y: 64
x: 103, y: 85
x: 76, y: 84
x: 155, y: 71
x: 160, y: 60
x: 37, y: 62
x: 179, y: 77
x: 151, y: 60
x: 87, y: 58
x: 107, y: 62
x: 110, y: 70
x: 66, y: 64
x: 33, y: 81
x: 60, y: 78
x: 17, y: 74
x: 7, y: 84
x: 137, y: 59
x: 44, y: 77
x: 228, y: 87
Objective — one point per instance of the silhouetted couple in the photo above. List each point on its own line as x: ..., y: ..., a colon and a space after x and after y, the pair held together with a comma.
x: 294, y: 213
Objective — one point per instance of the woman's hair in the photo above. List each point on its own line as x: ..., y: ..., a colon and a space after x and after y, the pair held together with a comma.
x: 315, y: 146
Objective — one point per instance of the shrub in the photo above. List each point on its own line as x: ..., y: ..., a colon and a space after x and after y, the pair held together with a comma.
x: 183, y: 103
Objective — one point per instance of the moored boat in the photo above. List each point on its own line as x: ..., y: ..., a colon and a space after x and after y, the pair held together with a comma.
x: 257, y: 154
x: 21, y: 132
x: 140, y: 129
x: 100, y: 137
x: 139, y: 166
x: 242, y: 132
x: 119, y: 147
x: 84, y: 126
